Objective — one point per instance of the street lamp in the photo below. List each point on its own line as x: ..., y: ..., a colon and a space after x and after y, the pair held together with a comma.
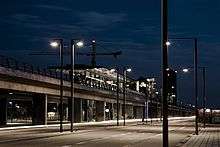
x: 157, y: 101
x: 117, y: 92
x: 59, y: 43
x: 54, y: 44
x: 204, y: 96
x: 185, y: 70
x: 204, y: 90
x: 164, y: 47
x: 195, y: 77
x: 117, y: 106
x: 168, y: 43
x: 125, y: 70
x: 74, y: 44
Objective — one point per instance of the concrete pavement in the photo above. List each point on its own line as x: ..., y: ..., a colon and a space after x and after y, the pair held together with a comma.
x: 208, y: 137
x: 98, y: 136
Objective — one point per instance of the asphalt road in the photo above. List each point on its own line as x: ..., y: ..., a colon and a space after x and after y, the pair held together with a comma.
x: 135, y: 135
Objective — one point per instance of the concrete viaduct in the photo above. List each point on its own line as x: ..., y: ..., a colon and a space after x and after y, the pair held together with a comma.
x: 43, y: 88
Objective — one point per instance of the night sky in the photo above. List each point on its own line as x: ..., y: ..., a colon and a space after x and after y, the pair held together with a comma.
x: 27, y: 26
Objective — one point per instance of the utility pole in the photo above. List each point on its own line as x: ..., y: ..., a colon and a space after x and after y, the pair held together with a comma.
x: 164, y: 41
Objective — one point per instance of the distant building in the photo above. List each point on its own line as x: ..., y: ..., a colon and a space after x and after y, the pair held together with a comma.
x: 147, y: 86
x: 172, y: 87
x: 100, y: 77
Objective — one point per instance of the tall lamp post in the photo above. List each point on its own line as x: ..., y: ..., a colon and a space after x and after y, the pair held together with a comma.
x: 117, y: 97
x: 59, y: 43
x: 125, y: 70
x: 204, y: 91
x: 157, y: 101
x: 164, y: 40
x: 195, y: 76
x: 117, y: 93
x: 204, y: 95
x: 74, y: 44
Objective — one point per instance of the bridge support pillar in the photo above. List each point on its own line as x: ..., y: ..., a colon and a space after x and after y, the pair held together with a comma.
x: 3, y: 111
x: 78, y: 110
x: 85, y: 110
x: 90, y: 110
x: 39, y: 116
x: 115, y: 111
x: 100, y: 111
x: 138, y: 112
x: 112, y: 111
x: 129, y: 112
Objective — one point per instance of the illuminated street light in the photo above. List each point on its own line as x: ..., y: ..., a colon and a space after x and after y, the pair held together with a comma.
x: 74, y: 44
x: 185, y: 70
x: 168, y: 43
x: 128, y: 70
x: 54, y: 44
x: 80, y: 44
x: 59, y: 43
x: 195, y: 77
x: 125, y: 70
x: 117, y: 98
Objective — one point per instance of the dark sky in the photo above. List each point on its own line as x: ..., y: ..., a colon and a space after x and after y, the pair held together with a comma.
x: 27, y: 26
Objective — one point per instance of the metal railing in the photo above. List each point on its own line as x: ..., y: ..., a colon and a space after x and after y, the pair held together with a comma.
x: 24, y: 67
x: 14, y: 64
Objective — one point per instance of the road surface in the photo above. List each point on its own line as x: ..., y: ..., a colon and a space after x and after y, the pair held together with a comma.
x: 135, y: 135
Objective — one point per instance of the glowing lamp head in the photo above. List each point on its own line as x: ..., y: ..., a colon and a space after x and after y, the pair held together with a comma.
x: 168, y: 43
x: 80, y: 44
x: 54, y: 44
x: 185, y: 70
x: 128, y: 70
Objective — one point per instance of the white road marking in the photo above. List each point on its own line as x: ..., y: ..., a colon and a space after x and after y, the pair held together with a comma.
x: 128, y: 145
x: 99, y: 139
